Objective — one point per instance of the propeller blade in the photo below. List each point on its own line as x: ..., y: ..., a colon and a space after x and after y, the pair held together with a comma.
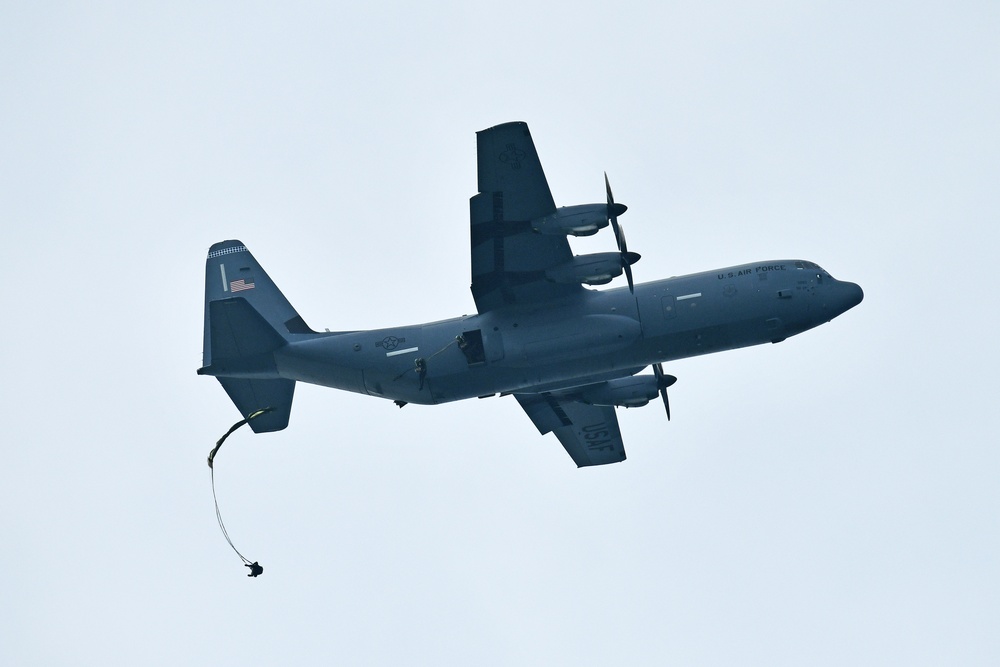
x: 614, y: 210
x: 628, y: 258
x: 662, y: 382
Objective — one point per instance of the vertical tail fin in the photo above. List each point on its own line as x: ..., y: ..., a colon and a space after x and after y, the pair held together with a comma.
x: 247, y: 318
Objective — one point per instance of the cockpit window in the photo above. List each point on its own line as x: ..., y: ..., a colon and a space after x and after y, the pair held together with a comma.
x: 807, y: 265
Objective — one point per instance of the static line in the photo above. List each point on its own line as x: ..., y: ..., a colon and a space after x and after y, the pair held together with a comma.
x: 225, y: 283
x: 406, y: 351
x: 689, y: 296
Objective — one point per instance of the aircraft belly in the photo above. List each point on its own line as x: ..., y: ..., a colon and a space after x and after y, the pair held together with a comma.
x: 435, y: 363
x: 608, y: 333
x: 590, y: 336
x: 323, y: 361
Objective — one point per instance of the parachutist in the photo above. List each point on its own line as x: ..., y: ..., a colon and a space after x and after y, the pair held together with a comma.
x: 420, y: 366
x: 255, y: 569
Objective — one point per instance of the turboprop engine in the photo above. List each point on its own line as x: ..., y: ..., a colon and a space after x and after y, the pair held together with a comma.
x: 631, y: 392
x: 584, y: 220
x: 579, y: 220
x: 594, y: 269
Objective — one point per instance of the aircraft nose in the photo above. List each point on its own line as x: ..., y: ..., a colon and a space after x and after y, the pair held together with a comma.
x: 850, y: 295
x: 840, y: 298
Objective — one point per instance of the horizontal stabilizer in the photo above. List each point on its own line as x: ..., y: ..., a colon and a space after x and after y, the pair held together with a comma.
x: 252, y: 395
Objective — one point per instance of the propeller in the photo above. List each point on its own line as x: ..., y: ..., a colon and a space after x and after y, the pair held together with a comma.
x: 628, y: 258
x: 662, y: 382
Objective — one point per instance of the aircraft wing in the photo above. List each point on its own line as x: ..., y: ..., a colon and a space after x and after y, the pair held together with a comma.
x: 589, y: 433
x: 509, y: 260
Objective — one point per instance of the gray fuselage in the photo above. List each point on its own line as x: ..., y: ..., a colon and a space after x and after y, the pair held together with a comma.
x: 592, y: 337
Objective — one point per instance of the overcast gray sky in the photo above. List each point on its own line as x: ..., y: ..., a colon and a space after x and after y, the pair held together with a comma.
x: 831, y: 500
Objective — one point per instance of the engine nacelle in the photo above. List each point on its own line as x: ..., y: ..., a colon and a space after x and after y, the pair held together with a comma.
x: 631, y: 392
x: 580, y: 220
x: 595, y: 269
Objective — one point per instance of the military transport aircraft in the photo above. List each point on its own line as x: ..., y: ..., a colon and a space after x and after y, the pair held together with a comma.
x: 568, y: 354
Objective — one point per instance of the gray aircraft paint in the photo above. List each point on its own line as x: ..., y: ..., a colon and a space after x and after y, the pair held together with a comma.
x: 564, y: 354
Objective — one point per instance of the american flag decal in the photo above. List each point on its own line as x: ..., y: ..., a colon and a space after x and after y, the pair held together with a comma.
x: 240, y: 285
